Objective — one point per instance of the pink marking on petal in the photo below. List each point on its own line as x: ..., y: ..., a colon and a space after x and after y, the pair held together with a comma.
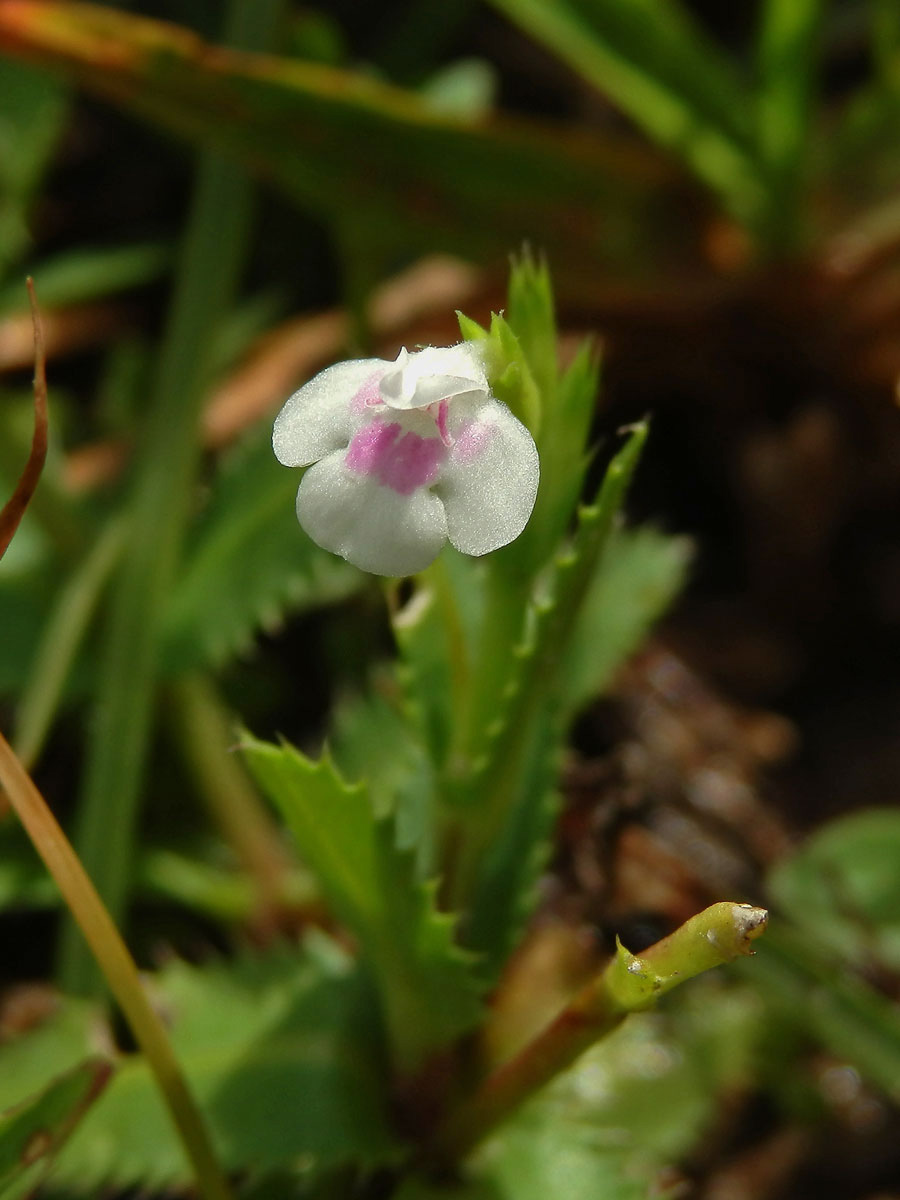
x: 413, y: 463
x: 370, y: 447
x: 400, y: 463
x: 369, y: 395
x: 471, y: 440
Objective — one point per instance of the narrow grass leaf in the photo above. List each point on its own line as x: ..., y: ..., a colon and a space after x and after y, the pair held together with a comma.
x: 657, y: 65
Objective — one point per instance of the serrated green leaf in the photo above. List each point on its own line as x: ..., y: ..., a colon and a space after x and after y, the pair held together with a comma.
x: 532, y: 318
x: 556, y: 405
x: 425, y: 982
x: 248, y: 564
x: 508, y: 793
x: 280, y: 1052
x: 637, y: 579
x: 34, y: 1131
x: 373, y: 742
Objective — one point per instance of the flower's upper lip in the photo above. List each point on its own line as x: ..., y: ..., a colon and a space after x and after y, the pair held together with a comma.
x: 432, y: 375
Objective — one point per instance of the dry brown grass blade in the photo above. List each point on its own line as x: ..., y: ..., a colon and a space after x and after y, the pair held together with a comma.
x: 15, y: 507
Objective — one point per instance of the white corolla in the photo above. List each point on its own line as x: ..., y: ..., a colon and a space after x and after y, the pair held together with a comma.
x: 406, y: 455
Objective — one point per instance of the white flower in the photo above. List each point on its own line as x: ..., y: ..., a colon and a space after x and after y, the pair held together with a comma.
x: 405, y: 455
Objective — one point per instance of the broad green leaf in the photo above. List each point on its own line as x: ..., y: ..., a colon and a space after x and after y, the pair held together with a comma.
x: 657, y: 65
x: 637, y: 579
x: 34, y: 1131
x: 327, y: 136
x: 811, y: 989
x: 59, y: 1042
x: 279, y: 1051
x: 842, y: 887
x: 424, y: 980
x: 248, y: 563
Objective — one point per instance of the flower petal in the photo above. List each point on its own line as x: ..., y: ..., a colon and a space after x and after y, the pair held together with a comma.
x: 433, y: 374
x: 321, y: 416
x: 490, y: 480
x: 373, y: 527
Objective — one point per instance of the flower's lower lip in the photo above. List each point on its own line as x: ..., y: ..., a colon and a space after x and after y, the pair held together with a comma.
x: 398, y: 460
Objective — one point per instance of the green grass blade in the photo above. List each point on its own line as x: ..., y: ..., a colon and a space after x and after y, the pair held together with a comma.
x: 211, y: 260
x: 787, y: 62
x: 60, y: 642
x: 657, y: 65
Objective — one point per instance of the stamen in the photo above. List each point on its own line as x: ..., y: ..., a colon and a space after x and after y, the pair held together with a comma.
x: 441, y: 417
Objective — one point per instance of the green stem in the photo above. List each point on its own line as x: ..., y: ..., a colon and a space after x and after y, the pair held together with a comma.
x: 118, y: 967
x: 628, y: 984
x: 518, y: 696
x: 211, y: 259
x: 205, y: 730
x: 60, y: 641
x: 787, y: 58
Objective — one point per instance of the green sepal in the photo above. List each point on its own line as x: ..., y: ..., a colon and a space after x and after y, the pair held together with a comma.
x: 471, y: 331
x: 507, y: 367
x: 532, y: 318
x: 511, y: 377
